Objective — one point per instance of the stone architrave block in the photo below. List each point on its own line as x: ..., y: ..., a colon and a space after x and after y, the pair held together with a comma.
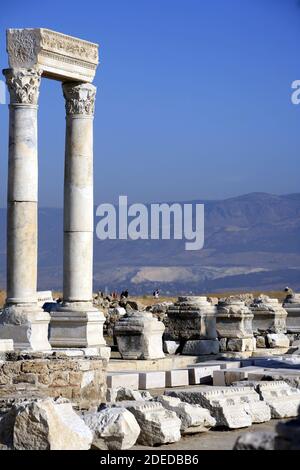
x: 112, y: 428
x: 193, y: 418
x: 283, y: 400
x: 60, y: 56
x: 232, y: 407
x: 158, y: 425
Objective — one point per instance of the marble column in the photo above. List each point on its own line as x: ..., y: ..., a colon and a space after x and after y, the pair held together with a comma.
x: 77, y: 323
x: 22, y: 320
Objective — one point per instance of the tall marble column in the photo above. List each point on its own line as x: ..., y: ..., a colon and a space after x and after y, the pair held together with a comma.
x: 77, y: 323
x: 22, y: 319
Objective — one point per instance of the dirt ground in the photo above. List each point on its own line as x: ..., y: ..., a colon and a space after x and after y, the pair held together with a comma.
x: 211, y: 440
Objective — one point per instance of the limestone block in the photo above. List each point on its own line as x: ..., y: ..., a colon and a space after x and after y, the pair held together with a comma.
x: 201, y: 347
x: 148, y: 380
x: 269, y: 316
x: 158, y: 425
x: 115, y: 379
x: 261, y: 342
x: 139, y: 336
x: 241, y: 344
x: 58, y: 55
x: 177, y: 378
x: 46, y: 425
x: 125, y: 394
x: 292, y: 305
x: 232, y: 407
x: 77, y: 325
x: 193, y: 418
x: 224, y: 364
x: 283, y: 400
x: 228, y: 376
x: 170, y: 347
x: 27, y: 326
x: 234, y: 319
x: 255, y: 441
x: 6, y: 345
x: 202, y: 374
x: 278, y: 340
x: 112, y: 428
x: 191, y: 317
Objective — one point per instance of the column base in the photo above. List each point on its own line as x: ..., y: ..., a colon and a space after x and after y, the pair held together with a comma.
x: 27, y: 325
x: 77, y: 326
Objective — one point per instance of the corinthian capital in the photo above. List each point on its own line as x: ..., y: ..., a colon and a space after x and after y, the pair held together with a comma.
x: 80, y: 98
x: 23, y: 85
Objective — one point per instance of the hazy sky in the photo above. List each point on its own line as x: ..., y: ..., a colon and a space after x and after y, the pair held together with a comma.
x: 193, y: 97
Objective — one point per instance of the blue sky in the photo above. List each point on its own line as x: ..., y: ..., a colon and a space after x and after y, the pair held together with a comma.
x: 193, y: 97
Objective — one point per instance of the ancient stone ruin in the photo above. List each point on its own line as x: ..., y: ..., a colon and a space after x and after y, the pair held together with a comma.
x: 176, y: 369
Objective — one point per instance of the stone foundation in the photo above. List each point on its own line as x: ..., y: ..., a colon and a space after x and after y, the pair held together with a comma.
x: 82, y: 380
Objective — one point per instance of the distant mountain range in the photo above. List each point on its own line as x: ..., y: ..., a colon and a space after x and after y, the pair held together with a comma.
x: 252, y: 242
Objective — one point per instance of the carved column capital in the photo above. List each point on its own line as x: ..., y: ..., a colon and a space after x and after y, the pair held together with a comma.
x: 80, y: 98
x: 23, y: 85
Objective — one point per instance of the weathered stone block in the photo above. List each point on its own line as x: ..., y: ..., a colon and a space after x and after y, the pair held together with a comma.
x: 177, y: 378
x: 241, y: 344
x: 283, y: 400
x: 123, y: 380
x: 202, y: 374
x: 139, y: 336
x: 148, y: 380
x: 113, y: 429
x: 58, y: 55
x: 193, y: 418
x: 158, y: 425
x: 201, y: 347
x: 46, y: 425
x: 171, y: 347
x: 278, y: 341
x: 191, y: 318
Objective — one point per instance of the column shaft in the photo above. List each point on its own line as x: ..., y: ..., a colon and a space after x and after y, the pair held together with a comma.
x: 22, y: 205
x: 22, y: 320
x: 78, y: 209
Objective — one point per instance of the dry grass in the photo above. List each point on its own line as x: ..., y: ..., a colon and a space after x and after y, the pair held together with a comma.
x: 149, y: 300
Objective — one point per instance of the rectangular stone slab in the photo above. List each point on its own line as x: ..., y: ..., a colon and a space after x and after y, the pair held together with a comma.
x: 228, y: 376
x: 177, y: 378
x: 148, y: 380
x: 58, y: 55
x: 115, y: 380
x: 6, y: 345
x: 202, y: 374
